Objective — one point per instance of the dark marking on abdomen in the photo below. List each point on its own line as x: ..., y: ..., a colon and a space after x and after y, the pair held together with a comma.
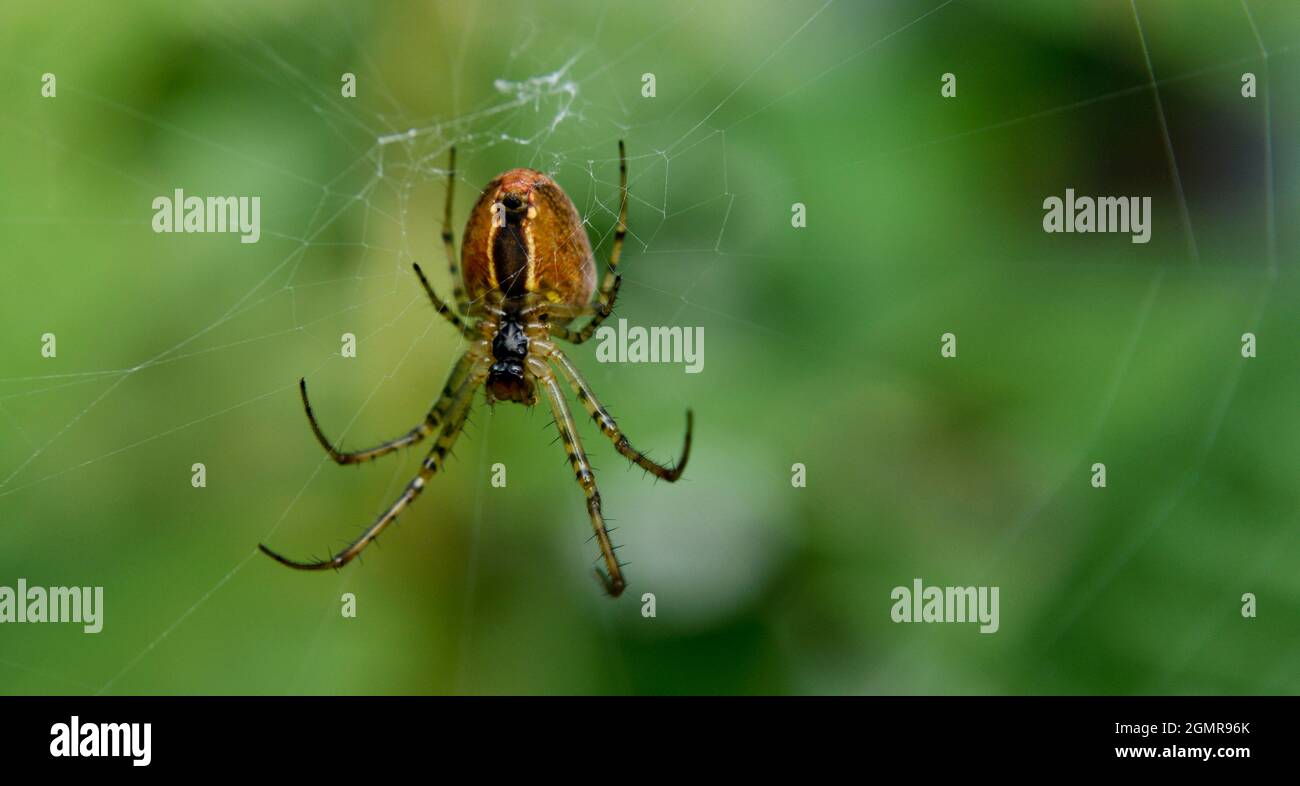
x: 510, y: 260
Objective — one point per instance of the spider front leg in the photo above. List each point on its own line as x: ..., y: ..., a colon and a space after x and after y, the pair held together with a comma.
x: 430, y: 424
x: 610, y: 429
x: 442, y: 308
x: 608, y: 294
x: 458, y: 412
x: 612, y: 575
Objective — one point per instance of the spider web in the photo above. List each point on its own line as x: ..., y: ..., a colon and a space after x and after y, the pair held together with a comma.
x: 556, y: 100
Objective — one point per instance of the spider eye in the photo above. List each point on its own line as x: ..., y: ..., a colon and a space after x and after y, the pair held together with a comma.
x: 512, y: 202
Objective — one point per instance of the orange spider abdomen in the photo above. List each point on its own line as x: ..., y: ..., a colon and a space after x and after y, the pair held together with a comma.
x: 524, y: 236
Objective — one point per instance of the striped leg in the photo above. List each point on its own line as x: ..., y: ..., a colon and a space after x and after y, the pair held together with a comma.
x: 610, y: 429
x: 441, y: 306
x: 602, y: 310
x: 430, y: 424
x: 608, y: 294
x: 612, y: 575
x: 608, y: 285
x: 457, y: 285
x: 432, y: 463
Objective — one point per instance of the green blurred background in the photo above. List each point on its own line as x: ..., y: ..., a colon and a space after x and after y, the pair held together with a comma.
x: 821, y: 346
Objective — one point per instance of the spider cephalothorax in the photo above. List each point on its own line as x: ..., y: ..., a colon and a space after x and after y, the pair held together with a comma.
x: 507, y: 380
x: 528, y: 271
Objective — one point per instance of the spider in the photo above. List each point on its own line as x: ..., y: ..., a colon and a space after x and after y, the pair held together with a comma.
x: 528, y: 266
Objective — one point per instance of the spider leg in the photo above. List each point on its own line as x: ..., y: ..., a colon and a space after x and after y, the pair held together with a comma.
x: 429, y: 425
x: 459, y: 411
x: 608, y: 294
x: 602, y: 309
x: 457, y: 285
x: 442, y: 307
x: 612, y: 575
x: 610, y: 428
